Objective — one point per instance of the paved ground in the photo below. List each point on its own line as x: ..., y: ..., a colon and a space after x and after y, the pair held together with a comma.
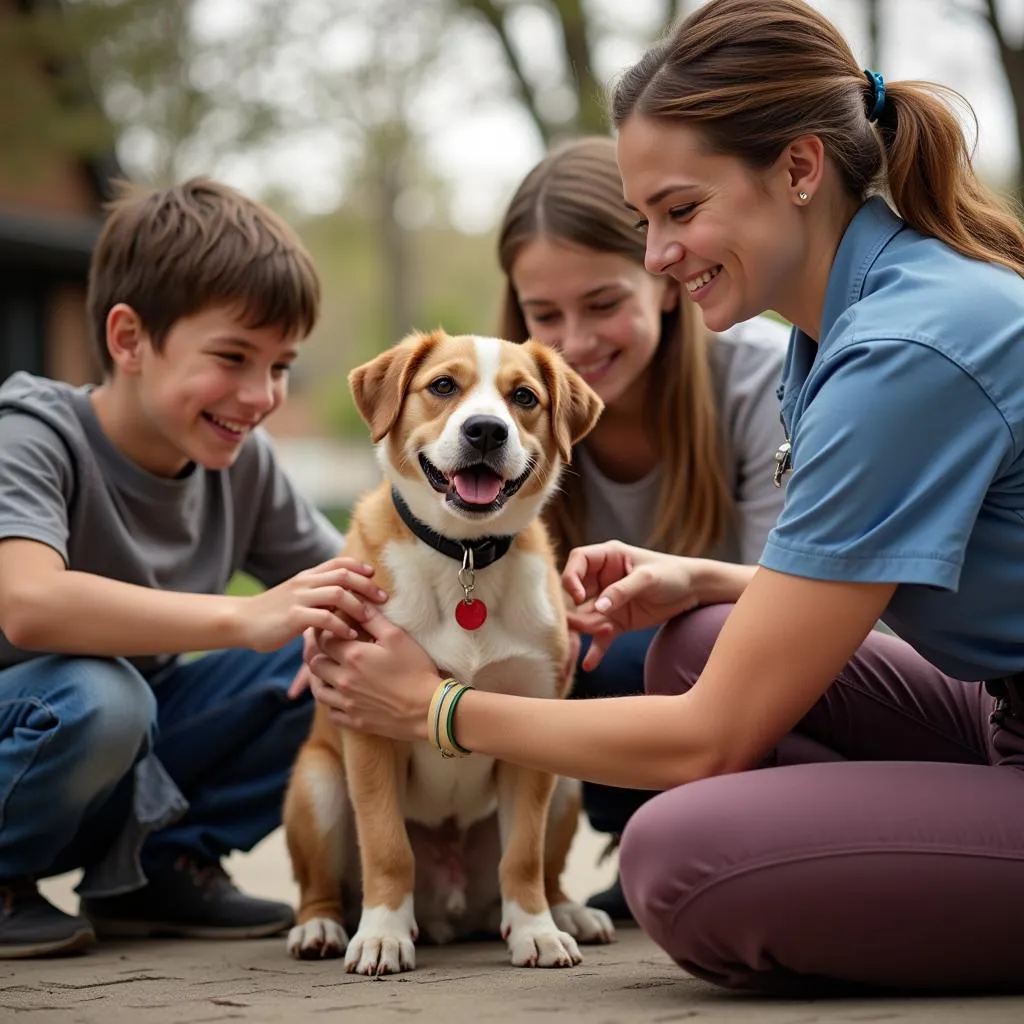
x: 629, y: 982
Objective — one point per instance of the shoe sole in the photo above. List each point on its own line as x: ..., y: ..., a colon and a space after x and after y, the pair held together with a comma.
x: 111, y: 929
x: 76, y: 943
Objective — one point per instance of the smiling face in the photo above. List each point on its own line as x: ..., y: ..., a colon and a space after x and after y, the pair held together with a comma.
x: 474, y: 431
x: 198, y: 398
x: 601, y: 310
x: 730, y: 235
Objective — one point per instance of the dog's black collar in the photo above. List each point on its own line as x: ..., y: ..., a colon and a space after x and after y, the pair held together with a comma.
x: 486, y: 550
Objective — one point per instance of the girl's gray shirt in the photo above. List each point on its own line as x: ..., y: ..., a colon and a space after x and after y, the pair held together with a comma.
x: 746, y: 363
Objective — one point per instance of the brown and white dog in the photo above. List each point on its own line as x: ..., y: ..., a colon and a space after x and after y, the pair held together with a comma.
x: 472, y: 434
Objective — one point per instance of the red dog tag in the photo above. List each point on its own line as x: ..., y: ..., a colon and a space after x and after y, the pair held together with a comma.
x: 470, y: 614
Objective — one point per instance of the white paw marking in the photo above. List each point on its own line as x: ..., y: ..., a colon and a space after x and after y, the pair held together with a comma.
x: 383, y: 943
x: 584, y: 924
x: 318, y: 938
x: 534, y: 940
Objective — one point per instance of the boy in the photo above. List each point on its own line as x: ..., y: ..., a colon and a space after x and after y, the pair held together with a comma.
x: 125, y: 508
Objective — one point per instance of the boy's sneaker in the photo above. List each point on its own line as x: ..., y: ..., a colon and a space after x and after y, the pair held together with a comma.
x: 193, y: 900
x: 31, y: 926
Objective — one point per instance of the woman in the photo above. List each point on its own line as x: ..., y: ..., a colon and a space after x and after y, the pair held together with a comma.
x: 883, y: 844
x: 681, y: 459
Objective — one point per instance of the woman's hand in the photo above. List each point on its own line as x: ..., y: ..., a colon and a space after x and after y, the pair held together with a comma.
x: 618, y: 588
x: 383, y: 685
x: 304, y: 678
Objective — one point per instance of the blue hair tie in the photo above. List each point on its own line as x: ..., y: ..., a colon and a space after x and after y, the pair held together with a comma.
x: 878, y: 96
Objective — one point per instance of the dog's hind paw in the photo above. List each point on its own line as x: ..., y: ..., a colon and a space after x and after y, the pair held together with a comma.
x: 584, y: 924
x: 384, y: 941
x: 320, y: 938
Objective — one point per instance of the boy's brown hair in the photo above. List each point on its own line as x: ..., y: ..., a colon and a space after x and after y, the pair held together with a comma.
x: 173, y: 252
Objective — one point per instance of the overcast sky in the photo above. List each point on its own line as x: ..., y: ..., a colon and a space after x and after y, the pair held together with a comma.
x: 483, y: 149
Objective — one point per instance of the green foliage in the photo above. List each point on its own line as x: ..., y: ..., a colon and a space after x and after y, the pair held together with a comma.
x: 48, y: 114
x: 457, y: 287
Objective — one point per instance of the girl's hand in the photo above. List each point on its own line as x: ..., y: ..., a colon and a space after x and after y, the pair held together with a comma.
x: 572, y: 655
x: 383, y: 685
x: 618, y: 588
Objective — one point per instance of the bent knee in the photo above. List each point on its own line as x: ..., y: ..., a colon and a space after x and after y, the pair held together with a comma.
x: 681, y: 648
x: 108, y: 710
x: 650, y: 862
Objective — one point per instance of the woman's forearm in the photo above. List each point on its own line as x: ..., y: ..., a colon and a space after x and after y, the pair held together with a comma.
x: 720, y: 582
x: 764, y: 673
x: 638, y: 742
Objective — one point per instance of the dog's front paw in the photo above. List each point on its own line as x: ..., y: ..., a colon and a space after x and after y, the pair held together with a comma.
x: 584, y: 924
x: 316, y: 939
x: 534, y: 940
x: 383, y: 943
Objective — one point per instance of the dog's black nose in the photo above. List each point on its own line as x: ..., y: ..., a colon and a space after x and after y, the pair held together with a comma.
x: 485, y: 433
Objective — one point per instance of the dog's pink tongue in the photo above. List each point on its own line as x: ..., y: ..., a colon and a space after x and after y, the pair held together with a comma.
x: 477, y: 487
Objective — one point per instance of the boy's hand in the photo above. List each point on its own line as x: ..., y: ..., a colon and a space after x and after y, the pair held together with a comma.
x: 316, y: 597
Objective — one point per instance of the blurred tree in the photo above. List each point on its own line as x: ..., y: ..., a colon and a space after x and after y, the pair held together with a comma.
x: 579, y: 29
x: 134, y: 71
x: 874, y: 20
x: 185, y: 93
x: 49, y: 111
x: 393, y: 48
x: 1011, y: 54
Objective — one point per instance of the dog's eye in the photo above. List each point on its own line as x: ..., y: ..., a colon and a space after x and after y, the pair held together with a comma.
x: 524, y: 397
x: 443, y: 387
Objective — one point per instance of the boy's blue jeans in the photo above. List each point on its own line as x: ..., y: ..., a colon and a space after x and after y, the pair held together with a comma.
x: 72, y: 730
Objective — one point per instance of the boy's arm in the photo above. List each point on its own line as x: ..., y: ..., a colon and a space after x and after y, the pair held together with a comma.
x: 46, y: 607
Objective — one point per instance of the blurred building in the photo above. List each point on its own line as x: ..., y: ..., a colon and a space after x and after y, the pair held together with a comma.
x: 46, y: 236
x: 49, y: 221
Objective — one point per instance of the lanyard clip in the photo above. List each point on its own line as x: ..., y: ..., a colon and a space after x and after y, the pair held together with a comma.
x: 467, y: 577
x: 783, y: 462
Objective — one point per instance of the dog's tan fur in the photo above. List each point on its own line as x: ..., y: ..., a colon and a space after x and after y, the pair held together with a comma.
x: 387, y: 790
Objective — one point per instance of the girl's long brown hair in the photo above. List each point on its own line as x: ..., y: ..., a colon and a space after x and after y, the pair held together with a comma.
x: 575, y: 195
x: 752, y: 77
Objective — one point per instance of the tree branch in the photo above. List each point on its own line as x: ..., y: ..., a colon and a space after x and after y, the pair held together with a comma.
x: 495, y: 18
x: 592, y: 116
x: 992, y: 17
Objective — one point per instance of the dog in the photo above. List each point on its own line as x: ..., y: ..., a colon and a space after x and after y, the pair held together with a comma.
x: 472, y: 434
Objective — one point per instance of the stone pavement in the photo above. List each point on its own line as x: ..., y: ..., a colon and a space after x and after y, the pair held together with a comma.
x: 628, y: 982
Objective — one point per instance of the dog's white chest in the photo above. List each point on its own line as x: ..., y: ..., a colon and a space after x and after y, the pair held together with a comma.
x: 520, y: 615
x: 510, y: 653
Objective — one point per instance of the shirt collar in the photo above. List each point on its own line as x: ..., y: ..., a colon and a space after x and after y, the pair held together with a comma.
x: 873, y: 226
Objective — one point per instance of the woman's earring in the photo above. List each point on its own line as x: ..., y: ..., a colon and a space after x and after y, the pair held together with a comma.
x: 803, y: 196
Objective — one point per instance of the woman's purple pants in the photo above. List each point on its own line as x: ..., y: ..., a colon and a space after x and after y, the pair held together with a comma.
x: 881, y: 843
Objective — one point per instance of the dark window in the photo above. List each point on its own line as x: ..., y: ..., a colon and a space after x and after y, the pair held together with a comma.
x: 22, y: 325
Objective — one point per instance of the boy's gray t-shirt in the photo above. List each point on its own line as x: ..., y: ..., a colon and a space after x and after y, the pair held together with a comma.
x: 64, y: 483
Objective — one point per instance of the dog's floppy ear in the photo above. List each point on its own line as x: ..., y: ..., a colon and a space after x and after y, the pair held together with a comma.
x: 379, y: 387
x: 574, y: 406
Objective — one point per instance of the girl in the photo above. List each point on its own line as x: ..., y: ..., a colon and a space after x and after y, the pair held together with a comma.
x: 681, y: 458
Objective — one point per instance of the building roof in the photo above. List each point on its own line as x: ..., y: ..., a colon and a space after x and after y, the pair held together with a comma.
x: 58, y: 243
